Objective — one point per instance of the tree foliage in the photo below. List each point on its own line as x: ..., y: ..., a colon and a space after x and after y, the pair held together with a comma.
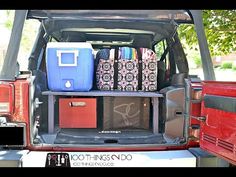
x: 220, y: 29
x: 10, y: 18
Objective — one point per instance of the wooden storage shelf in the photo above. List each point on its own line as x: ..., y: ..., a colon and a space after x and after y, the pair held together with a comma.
x: 97, y: 93
x: 105, y: 93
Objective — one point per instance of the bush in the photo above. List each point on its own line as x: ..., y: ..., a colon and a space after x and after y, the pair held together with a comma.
x: 227, y: 65
x: 197, y: 61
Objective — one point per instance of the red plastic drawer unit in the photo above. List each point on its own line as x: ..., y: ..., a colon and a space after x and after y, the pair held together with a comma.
x: 77, y: 113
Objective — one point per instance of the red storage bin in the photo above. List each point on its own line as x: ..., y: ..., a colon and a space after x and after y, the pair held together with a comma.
x: 77, y: 113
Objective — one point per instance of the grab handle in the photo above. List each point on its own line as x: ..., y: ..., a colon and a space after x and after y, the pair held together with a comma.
x: 59, y: 55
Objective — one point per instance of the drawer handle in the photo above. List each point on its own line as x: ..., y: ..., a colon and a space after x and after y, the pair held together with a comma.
x: 77, y: 104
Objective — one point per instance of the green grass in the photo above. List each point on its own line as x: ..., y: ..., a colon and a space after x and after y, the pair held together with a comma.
x: 226, y: 65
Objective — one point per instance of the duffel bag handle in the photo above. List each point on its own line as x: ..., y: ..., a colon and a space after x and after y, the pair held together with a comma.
x: 59, y: 55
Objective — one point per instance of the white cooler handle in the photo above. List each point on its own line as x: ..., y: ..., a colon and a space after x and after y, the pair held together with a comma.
x: 59, y: 54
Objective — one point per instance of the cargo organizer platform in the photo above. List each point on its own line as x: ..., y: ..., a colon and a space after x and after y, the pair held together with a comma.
x: 54, y: 95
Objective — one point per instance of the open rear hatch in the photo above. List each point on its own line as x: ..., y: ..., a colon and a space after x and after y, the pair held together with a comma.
x: 180, y: 16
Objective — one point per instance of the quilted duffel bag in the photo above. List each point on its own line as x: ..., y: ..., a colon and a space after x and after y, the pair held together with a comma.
x: 126, y: 69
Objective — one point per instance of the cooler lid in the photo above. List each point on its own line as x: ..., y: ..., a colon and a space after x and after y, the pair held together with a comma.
x: 69, y: 45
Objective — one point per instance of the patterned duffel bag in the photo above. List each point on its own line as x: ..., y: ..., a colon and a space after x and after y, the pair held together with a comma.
x: 126, y: 69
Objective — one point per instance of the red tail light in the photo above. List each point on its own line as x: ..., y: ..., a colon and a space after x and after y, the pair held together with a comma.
x: 6, y: 98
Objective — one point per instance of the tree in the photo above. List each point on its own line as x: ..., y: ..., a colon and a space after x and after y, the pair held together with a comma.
x: 220, y: 28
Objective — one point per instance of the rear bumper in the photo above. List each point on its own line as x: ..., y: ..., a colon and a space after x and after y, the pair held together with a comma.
x: 178, y: 158
x: 12, y: 158
x: 194, y: 157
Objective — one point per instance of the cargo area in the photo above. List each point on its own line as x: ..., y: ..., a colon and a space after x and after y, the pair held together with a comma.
x: 108, y: 84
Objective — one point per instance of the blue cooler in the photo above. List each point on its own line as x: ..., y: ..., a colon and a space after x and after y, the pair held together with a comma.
x: 70, y: 66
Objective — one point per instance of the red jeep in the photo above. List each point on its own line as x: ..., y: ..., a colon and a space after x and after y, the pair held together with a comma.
x: 180, y: 120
